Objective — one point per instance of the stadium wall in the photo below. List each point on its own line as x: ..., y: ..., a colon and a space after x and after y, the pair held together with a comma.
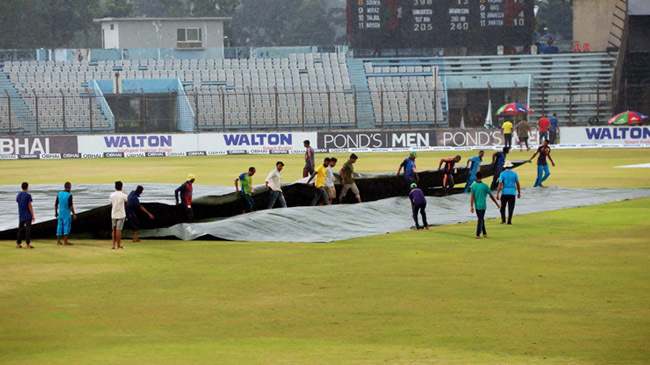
x: 207, y: 144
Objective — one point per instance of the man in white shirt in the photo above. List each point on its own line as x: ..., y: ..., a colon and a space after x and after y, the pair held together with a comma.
x: 330, y: 180
x: 274, y: 182
x: 119, y: 201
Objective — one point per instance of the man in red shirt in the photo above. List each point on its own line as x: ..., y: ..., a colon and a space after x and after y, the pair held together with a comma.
x: 543, y: 124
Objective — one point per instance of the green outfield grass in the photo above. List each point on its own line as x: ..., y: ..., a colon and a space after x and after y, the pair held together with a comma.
x: 569, y: 286
x: 575, y: 168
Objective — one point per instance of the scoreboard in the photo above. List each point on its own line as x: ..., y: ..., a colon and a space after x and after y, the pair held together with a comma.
x: 475, y: 24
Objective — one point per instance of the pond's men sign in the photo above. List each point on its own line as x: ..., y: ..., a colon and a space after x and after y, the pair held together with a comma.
x: 373, y: 140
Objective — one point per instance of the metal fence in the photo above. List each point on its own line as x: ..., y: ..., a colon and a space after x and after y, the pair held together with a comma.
x: 217, y: 109
x: 221, y: 109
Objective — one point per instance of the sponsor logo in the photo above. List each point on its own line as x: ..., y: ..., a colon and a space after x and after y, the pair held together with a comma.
x: 319, y: 150
x: 71, y: 155
x: 8, y: 157
x: 155, y: 154
x: 258, y: 152
x: 28, y: 157
x: 216, y: 153
x: 372, y: 140
x: 236, y: 152
x: 130, y: 155
x: 137, y: 141
x: 175, y: 154
x: 37, y: 145
x: 49, y: 156
x: 279, y: 152
x: 602, y: 133
x: 113, y: 154
x: 196, y: 153
x: 92, y: 155
x: 258, y: 139
x: 470, y: 137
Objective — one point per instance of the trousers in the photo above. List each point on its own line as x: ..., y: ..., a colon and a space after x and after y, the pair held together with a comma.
x: 24, y: 227
x: 508, y: 200
x: 422, y: 209
x: 277, y: 196
x: 543, y: 172
x: 480, y: 227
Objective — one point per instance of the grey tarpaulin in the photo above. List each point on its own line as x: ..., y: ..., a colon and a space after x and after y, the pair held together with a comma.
x: 86, y: 197
x: 339, y: 222
x: 95, y: 223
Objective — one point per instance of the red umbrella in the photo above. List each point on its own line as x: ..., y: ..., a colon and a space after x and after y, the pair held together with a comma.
x: 514, y: 108
x: 628, y: 117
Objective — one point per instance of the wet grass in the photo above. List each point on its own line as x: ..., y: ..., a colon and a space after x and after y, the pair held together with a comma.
x: 575, y: 168
x: 569, y: 286
x: 559, y: 287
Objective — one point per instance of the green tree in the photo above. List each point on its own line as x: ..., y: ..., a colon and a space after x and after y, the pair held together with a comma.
x: 213, y: 7
x: 310, y: 25
x: 264, y: 22
x: 119, y: 8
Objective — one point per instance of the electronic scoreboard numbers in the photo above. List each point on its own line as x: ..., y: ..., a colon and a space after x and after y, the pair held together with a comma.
x: 475, y: 24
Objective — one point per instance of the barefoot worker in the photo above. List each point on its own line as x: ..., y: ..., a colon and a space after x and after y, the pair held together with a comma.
x: 25, y: 216
x: 246, y: 179
x: 308, y: 170
x: 183, y: 196
x: 498, y: 159
x: 347, y: 174
x: 543, y: 171
x: 132, y: 207
x: 274, y: 183
x: 418, y: 204
x: 330, y: 180
x: 321, y: 175
x: 480, y: 191
x: 523, y: 132
x: 474, y: 166
x: 119, y: 200
x: 509, y: 183
x: 448, y: 172
x: 64, y: 212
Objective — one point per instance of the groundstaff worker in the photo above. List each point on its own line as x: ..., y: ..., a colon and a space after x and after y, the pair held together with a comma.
x: 274, y: 182
x: 509, y: 183
x: 134, y: 204
x: 183, y: 196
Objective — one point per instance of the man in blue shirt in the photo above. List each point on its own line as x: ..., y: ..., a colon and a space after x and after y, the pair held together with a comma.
x: 64, y: 212
x: 509, y: 183
x: 410, y: 172
x: 480, y: 192
x: 132, y: 206
x: 554, y: 129
x: 418, y: 204
x: 25, y: 216
x: 498, y: 159
x: 474, y: 165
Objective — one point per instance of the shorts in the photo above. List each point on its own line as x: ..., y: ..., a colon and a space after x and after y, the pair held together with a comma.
x: 133, y: 221
x: 331, y: 191
x: 117, y: 223
x: 522, y: 139
x: 347, y: 187
x: 63, y: 225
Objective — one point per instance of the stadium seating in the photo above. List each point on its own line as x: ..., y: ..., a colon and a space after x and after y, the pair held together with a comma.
x: 555, y: 79
x: 299, y: 90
